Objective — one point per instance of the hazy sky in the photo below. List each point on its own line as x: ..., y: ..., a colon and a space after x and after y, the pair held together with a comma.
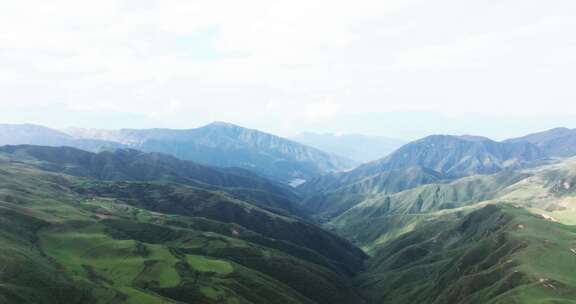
x: 484, y: 66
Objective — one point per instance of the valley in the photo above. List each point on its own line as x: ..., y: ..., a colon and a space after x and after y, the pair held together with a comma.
x: 444, y: 219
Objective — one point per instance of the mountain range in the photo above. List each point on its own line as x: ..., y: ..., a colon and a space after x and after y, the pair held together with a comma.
x: 434, y: 159
x: 218, y: 144
x: 179, y: 216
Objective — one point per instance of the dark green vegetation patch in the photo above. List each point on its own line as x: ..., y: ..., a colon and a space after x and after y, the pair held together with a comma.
x: 91, y: 238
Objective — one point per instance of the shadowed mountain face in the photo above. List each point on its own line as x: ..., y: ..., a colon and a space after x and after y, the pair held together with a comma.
x: 433, y: 159
x: 556, y: 142
x: 360, y: 148
x: 131, y: 227
x: 217, y: 144
x: 457, y: 156
x: 133, y: 165
x: 226, y: 145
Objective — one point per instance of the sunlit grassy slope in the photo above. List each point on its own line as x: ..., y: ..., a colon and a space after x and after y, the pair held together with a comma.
x: 497, y: 254
x: 548, y: 191
x: 430, y: 160
x: 504, y: 238
x: 66, y: 239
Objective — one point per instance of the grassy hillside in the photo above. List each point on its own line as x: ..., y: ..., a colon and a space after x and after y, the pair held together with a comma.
x: 503, y: 238
x: 187, y: 201
x: 546, y: 190
x: 87, y: 238
x: 132, y: 165
x: 74, y: 240
x: 431, y: 160
x: 326, y: 205
x: 400, y: 212
x: 494, y: 255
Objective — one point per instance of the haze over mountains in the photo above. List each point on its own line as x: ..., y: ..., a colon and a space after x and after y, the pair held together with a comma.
x: 358, y: 147
x: 207, y: 216
x: 555, y: 142
x: 434, y: 159
x: 218, y: 144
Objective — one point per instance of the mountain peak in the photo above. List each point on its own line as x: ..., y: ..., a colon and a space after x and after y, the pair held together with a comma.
x: 474, y: 138
x: 223, y: 124
x: 465, y: 137
x: 559, y: 129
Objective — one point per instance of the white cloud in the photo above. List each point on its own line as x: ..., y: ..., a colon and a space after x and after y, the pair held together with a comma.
x: 322, y: 110
x: 227, y: 59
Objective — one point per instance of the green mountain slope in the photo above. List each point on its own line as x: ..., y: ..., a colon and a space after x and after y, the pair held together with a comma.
x: 501, y: 238
x: 133, y: 227
x: 68, y: 239
x: 187, y: 201
x: 547, y: 190
x: 132, y: 165
x: 493, y: 255
x: 399, y: 212
x: 331, y: 203
x: 434, y: 159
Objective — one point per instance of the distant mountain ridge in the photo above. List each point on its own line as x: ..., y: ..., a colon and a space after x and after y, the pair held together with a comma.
x: 457, y: 156
x: 358, y: 147
x: 217, y: 144
x: 451, y: 156
x: 556, y: 142
x: 227, y: 145
x: 433, y: 159
x: 30, y: 134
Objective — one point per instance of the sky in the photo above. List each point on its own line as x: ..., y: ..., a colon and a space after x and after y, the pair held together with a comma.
x: 397, y: 68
